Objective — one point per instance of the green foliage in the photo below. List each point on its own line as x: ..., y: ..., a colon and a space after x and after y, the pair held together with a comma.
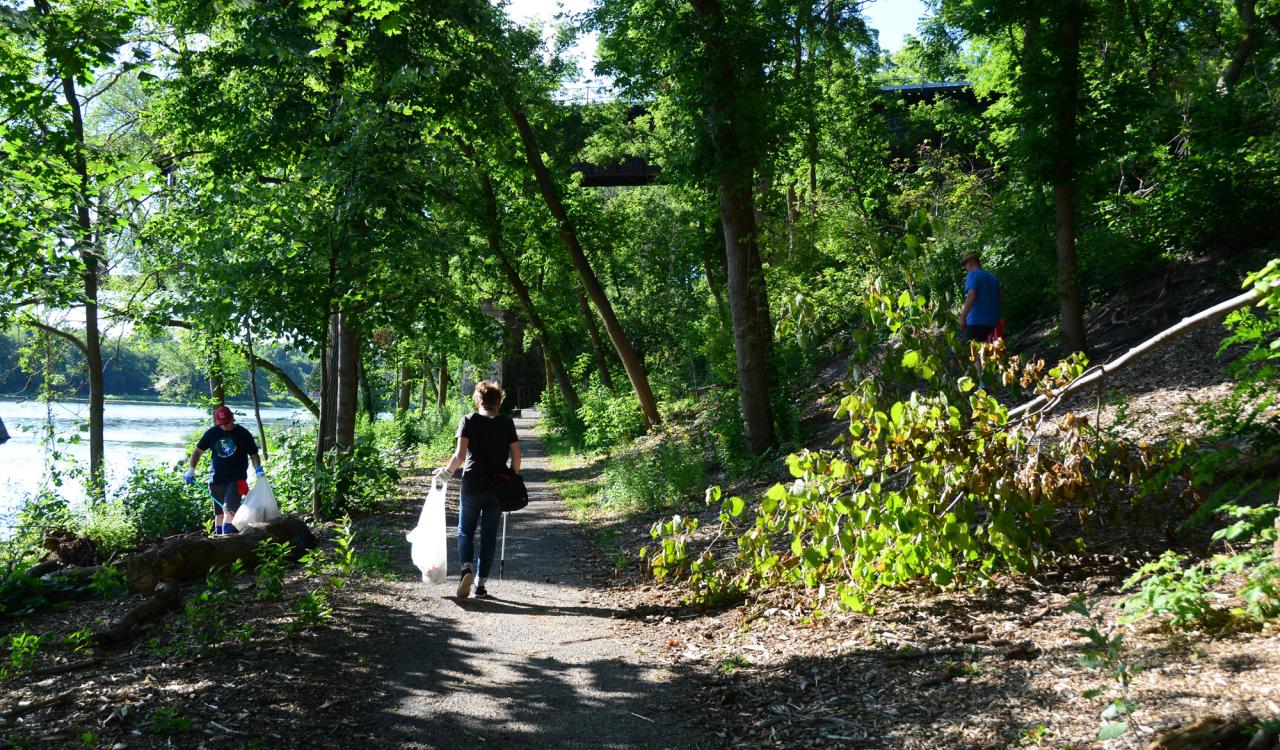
x: 108, y: 582
x: 167, y: 720
x: 109, y: 526
x: 938, y: 486
x: 609, y: 419
x: 1240, y: 429
x: 38, y: 515
x: 23, y: 649
x: 361, y: 479
x: 273, y: 557
x: 665, y: 472
x: 160, y: 503
x: 345, y: 557
x: 207, y: 618
x: 1104, y: 652
x: 310, y: 611
x: 1165, y: 587
x: 430, y: 433
x: 79, y: 640
x: 720, y: 424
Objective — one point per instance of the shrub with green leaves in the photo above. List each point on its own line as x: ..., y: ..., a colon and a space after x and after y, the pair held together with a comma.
x: 360, y: 479
x: 109, y: 526
x: 1241, y: 429
x: 273, y: 557
x: 932, y: 482
x: 206, y: 615
x: 23, y: 648
x: 160, y: 503
x: 436, y: 430
x: 609, y: 419
x: 665, y: 474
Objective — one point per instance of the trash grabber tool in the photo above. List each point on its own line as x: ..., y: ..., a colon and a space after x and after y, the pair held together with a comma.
x: 502, y: 558
x: 205, y: 487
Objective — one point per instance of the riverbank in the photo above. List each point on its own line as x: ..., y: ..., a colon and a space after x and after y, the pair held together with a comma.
x: 50, y: 435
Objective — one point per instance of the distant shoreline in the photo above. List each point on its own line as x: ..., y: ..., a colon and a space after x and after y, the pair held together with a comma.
x: 155, y: 402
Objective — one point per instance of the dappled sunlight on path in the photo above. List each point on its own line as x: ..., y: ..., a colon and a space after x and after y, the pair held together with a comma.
x: 534, y: 666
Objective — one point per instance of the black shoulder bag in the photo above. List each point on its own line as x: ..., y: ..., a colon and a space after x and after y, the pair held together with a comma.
x: 511, y: 491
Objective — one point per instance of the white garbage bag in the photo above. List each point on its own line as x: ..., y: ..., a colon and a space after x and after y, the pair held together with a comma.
x: 428, y: 545
x: 259, y: 506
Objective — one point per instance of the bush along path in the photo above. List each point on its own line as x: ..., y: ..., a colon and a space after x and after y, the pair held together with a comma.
x: 546, y: 662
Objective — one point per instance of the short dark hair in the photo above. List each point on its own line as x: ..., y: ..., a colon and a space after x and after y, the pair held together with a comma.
x: 489, y: 394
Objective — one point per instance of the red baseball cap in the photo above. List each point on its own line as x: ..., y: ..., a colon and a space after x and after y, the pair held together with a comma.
x: 223, y: 415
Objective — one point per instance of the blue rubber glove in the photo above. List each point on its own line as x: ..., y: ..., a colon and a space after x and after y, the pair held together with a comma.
x: 260, y: 471
x: 190, y: 476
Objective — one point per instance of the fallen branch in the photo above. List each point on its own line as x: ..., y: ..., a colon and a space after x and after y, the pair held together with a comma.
x: 164, y: 599
x: 1044, y: 403
x: 62, y: 668
x: 53, y: 700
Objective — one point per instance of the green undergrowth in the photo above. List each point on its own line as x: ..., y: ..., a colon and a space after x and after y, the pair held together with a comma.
x: 663, y: 471
x: 934, y: 481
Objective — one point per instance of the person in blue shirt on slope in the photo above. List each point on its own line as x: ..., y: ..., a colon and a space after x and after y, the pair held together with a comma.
x: 981, y: 312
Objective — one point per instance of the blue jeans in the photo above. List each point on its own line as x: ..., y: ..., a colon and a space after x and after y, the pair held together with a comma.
x: 485, y: 509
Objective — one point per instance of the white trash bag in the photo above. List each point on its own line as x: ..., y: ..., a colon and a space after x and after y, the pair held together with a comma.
x: 428, y: 545
x: 259, y: 506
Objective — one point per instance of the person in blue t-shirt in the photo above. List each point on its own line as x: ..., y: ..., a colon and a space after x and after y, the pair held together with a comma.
x: 981, y: 312
x: 233, y: 448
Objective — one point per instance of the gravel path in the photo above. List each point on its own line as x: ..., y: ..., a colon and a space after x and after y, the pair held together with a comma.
x: 544, y: 663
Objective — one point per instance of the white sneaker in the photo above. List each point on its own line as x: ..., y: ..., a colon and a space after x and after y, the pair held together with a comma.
x: 464, y: 586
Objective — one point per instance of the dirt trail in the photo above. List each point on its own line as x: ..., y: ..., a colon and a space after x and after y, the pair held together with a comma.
x: 545, y: 663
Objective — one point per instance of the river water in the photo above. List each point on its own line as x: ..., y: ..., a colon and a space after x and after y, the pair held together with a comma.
x: 133, y: 431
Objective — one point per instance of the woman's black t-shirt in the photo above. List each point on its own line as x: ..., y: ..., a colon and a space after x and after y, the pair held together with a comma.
x: 489, y: 442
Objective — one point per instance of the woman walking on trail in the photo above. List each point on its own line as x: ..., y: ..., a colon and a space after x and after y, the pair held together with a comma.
x: 485, y: 440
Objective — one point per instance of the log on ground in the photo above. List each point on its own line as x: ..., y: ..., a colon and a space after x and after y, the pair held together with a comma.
x: 191, y: 558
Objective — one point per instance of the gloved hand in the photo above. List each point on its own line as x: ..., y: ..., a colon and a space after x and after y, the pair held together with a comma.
x: 442, y: 471
x: 260, y: 471
x: 190, y: 476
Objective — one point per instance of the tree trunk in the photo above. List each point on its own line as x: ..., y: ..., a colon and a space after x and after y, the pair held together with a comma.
x: 1249, y: 41
x: 597, y: 346
x: 1070, y: 304
x: 442, y: 396
x: 348, y: 395
x: 751, y: 329
x: 217, y: 382
x: 569, y: 237
x: 367, y: 397
x: 428, y: 379
x: 748, y: 302
x: 324, y: 427
x: 92, y: 267
x: 406, y: 389
x: 253, y: 389
x: 293, y: 388
x: 1043, y: 403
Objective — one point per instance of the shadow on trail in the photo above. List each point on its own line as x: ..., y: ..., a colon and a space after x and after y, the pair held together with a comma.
x: 517, y: 697
x: 496, y: 605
